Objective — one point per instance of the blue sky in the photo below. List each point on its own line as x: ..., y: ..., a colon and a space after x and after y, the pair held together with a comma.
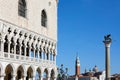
x: 82, y: 25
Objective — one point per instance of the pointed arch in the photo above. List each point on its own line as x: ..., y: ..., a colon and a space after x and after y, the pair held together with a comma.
x: 30, y: 73
x: 52, y: 74
x: 9, y: 71
x: 38, y: 74
x: 20, y: 72
x: 43, y: 18
x: 42, y: 70
x: 45, y: 74
x: 22, y: 8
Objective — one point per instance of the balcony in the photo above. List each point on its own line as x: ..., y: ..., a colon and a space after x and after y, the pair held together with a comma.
x: 24, y: 59
x: 16, y: 43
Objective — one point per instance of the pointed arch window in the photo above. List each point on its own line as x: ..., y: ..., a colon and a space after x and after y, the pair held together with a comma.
x: 44, y: 18
x: 22, y: 8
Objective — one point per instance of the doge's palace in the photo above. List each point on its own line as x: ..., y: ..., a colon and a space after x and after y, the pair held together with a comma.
x: 28, y: 39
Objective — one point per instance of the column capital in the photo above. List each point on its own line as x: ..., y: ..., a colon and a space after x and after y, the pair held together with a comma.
x: 9, y: 42
x: 14, y: 74
x: 25, y: 75
x: 107, y: 43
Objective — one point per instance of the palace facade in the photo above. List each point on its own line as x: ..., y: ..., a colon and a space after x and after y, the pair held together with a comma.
x: 28, y: 39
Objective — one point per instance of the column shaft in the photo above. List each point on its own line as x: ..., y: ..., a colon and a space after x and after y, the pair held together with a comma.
x: 14, y: 77
x: 15, y: 48
x: 38, y: 54
x: 48, y: 78
x: 107, y: 41
x: 55, y: 78
x: 45, y: 56
x: 2, y: 47
x: 52, y: 57
x: 24, y: 77
x: 41, y: 78
x: 20, y: 49
x: 49, y: 56
x: 34, y: 52
x: 107, y: 63
x: 33, y: 78
x: 29, y: 52
x: 42, y: 55
x: 25, y: 50
x: 9, y: 47
x: 55, y: 59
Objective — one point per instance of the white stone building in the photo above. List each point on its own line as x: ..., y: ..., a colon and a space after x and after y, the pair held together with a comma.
x: 28, y: 39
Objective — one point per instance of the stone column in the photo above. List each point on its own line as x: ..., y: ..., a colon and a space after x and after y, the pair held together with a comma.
x: 9, y: 49
x: 9, y: 46
x: 34, y: 52
x: 55, y: 59
x: 49, y: 56
x: 13, y: 77
x: 48, y: 77
x: 41, y: 77
x: 20, y: 49
x: 52, y: 57
x: 25, y: 50
x: 38, y: 54
x: 45, y: 54
x: 55, y: 78
x: 30, y: 52
x: 20, y: 45
x: 2, y: 77
x: 24, y: 78
x: 15, y: 48
x: 107, y: 43
x: 2, y: 47
x: 42, y: 55
x: 33, y: 78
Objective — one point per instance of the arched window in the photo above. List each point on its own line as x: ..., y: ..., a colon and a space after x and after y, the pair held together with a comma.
x: 43, y: 18
x: 22, y: 8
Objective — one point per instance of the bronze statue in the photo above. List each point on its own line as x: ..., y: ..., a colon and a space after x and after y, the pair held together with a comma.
x: 107, y: 38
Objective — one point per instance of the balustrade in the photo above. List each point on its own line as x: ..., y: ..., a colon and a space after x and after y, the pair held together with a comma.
x: 16, y: 44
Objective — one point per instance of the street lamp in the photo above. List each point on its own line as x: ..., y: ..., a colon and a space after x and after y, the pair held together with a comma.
x: 62, y: 73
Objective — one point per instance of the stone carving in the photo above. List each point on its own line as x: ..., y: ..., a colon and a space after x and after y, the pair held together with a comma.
x: 108, y: 38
